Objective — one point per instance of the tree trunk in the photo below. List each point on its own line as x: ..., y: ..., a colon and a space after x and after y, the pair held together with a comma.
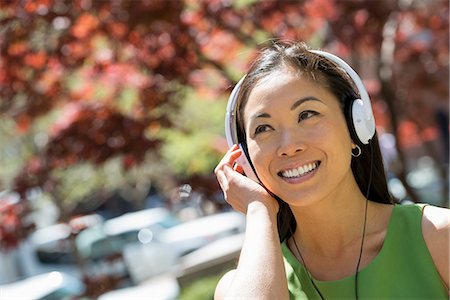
x: 385, y: 76
x: 401, y: 171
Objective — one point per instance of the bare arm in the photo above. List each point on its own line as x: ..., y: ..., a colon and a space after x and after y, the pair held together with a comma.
x: 436, y: 232
x: 260, y: 273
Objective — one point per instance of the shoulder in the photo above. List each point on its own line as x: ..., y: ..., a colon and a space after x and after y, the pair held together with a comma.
x: 224, y: 285
x: 438, y: 216
x: 436, y: 233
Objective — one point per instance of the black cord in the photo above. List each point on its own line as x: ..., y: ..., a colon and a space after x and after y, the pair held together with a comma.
x: 362, y: 239
x: 369, y: 183
x: 306, y: 268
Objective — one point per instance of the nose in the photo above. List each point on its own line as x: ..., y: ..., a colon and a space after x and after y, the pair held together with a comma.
x: 290, y: 144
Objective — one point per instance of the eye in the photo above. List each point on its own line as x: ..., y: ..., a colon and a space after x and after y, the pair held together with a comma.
x: 262, y: 128
x: 307, y: 114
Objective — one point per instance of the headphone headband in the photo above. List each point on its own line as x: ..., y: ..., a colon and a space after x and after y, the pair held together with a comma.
x: 231, y: 115
x: 362, y: 115
x: 353, y: 75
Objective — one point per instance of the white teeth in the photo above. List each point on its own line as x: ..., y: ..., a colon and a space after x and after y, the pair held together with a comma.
x: 300, y: 171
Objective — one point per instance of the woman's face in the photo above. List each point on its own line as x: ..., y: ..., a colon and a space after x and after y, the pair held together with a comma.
x: 297, y: 138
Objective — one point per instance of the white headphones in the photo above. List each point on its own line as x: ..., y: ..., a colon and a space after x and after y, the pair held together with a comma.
x: 361, y: 113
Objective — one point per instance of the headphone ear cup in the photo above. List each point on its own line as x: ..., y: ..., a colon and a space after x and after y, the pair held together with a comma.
x: 364, y: 126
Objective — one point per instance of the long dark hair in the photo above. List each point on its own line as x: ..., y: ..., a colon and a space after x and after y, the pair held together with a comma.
x: 297, y: 56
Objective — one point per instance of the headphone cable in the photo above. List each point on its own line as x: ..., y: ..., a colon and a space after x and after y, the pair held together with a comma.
x: 365, y: 220
x: 362, y: 239
x: 306, y: 268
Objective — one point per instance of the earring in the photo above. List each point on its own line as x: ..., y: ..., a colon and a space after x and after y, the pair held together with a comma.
x: 358, y: 151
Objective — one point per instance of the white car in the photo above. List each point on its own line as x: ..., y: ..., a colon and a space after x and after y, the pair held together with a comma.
x: 167, y: 247
x: 111, y: 236
x: 51, y: 249
x: 138, y: 245
x: 47, y: 286
x: 191, y: 235
x: 102, y: 246
x: 222, y: 252
x: 46, y: 250
x: 163, y: 287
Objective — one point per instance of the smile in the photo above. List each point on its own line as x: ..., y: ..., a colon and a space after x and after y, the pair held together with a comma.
x: 300, y: 171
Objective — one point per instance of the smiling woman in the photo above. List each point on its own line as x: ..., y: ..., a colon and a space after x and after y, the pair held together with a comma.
x: 320, y: 220
x: 294, y: 134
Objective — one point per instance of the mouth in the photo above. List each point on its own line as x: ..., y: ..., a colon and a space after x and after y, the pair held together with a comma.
x: 299, y: 171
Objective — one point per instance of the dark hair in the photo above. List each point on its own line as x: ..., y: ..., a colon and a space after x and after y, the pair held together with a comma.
x: 296, y: 56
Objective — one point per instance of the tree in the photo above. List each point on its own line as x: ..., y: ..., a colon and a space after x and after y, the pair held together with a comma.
x: 110, y: 76
x: 401, y: 49
x: 110, y: 70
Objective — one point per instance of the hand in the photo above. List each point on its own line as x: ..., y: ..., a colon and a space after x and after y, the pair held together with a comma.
x: 240, y: 191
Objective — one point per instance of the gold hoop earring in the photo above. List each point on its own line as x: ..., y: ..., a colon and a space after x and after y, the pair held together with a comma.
x: 358, y: 151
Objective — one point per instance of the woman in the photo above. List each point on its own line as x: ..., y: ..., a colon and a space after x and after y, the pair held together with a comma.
x: 322, y: 193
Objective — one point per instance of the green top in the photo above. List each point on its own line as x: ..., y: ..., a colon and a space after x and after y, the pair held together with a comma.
x: 403, y: 269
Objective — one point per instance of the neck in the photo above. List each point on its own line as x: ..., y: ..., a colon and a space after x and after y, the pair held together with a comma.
x: 330, y: 226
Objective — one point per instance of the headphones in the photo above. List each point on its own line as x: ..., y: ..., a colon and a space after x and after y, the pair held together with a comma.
x: 361, y: 114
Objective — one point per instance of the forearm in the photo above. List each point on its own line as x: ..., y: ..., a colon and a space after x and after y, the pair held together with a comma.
x: 260, y: 273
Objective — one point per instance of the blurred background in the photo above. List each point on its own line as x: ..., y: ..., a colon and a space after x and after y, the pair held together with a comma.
x: 111, y: 123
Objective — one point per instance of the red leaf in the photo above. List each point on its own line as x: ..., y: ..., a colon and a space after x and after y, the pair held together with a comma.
x: 36, y: 60
x: 84, y: 25
x: 17, y: 48
x: 23, y: 124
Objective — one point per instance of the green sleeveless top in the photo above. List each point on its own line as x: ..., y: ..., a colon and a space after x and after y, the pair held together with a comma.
x: 403, y: 269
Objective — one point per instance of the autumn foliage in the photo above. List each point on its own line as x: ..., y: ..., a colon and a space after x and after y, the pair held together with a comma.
x: 16, y: 223
x: 111, y: 70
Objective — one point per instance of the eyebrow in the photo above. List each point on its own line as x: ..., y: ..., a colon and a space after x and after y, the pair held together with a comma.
x: 263, y: 115
x: 302, y: 100
x: 294, y: 106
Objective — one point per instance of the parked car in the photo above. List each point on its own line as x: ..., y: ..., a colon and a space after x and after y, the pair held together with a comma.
x: 138, y: 245
x: 162, y: 255
x: 163, y: 287
x: 189, y: 236
x: 102, y: 246
x: 52, y: 249
x: 47, y: 286
x: 46, y: 250
x: 111, y: 236
x: 212, y: 256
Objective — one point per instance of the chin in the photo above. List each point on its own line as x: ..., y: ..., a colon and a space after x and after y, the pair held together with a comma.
x: 299, y: 199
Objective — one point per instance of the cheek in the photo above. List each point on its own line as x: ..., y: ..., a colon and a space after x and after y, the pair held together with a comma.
x: 334, y: 132
x: 256, y: 152
x: 335, y: 140
x: 260, y: 156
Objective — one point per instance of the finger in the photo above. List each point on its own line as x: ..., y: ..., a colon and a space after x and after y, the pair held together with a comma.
x: 230, y: 157
x: 230, y: 174
x: 222, y: 179
x: 231, y: 149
